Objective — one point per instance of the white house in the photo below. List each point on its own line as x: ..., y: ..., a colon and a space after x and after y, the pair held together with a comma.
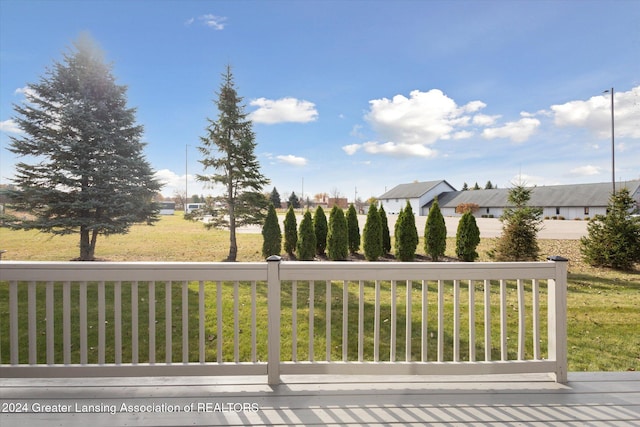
x: 418, y: 194
x: 577, y: 201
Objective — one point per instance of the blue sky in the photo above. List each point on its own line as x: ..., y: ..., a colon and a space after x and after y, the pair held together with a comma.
x: 356, y: 97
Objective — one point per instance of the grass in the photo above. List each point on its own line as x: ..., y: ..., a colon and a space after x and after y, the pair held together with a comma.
x: 603, y: 305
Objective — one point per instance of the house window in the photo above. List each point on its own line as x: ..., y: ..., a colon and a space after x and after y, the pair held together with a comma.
x: 557, y: 211
x: 487, y: 210
x: 586, y: 211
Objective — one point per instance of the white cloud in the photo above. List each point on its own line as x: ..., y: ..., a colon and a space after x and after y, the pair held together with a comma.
x: 10, y: 126
x: 587, y: 170
x: 484, y: 120
x: 518, y: 131
x: 423, y: 118
x: 283, y: 110
x: 213, y: 21
x: 391, y: 148
x: 292, y: 160
x: 594, y: 114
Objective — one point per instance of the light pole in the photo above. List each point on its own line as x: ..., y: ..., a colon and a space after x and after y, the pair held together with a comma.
x: 186, y: 175
x: 613, y: 159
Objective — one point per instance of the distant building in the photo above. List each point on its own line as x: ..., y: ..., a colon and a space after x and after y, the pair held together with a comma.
x: 341, y: 202
x: 577, y: 201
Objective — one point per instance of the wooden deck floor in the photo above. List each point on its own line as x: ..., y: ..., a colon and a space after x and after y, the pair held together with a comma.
x: 611, y: 399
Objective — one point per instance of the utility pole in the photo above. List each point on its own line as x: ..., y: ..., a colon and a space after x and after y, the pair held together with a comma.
x: 613, y: 159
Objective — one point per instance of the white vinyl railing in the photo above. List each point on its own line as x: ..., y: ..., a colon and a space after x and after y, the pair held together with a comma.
x: 60, y: 319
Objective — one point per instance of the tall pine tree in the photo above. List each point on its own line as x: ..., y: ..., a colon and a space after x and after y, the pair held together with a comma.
x: 321, y: 228
x: 228, y: 150
x: 353, y: 228
x: 89, y: 174
x: 435, y: 232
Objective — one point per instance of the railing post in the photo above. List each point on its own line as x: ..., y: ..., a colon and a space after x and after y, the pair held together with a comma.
x: 557, y: 322
x: 273, y: 317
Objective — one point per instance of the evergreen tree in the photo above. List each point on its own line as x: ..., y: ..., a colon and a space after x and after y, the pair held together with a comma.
x: 228, y: 150
x: 372, y: 234
x: 89, y: 174
x: 386, y: 238
x: 435, y: 232
x: 406, y: 235
x: 321, y: 229
x: 476, y: 186
x: 465, y: 187
x: 272, y: 237
x: 613, y: 239
x: 353, y: 229
x: 290, y: 231
x: 337, y: 238
x: 488, y: 186
x: 467, y: 238
x: 306, y: 248
x: 275, y: 198
x: 294, y: 200
x: 520, y: 225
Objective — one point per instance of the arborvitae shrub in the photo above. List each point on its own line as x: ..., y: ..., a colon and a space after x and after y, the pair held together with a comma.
x: 435, y: 232
x: 386, y: 238
x: 290, y: 231
x: 353, y: 229
x: 372, y: 234
x: 337, y: 238
x: 406, y: 235
x: 321, y: 229
x: 272, y: 237
x: 306, y: 238
x: 467, y: 238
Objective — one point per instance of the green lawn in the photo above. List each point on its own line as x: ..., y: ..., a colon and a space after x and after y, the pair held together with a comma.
x: 603, y: 305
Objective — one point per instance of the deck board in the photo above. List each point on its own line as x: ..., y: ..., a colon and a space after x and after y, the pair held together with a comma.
x: 587, y: 399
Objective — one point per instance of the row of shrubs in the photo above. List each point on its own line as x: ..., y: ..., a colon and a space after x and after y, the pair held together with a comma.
x: 340, y: 236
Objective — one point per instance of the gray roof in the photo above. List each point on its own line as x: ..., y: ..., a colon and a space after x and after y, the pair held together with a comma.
x: 576, y: 195
x: 411, y: 191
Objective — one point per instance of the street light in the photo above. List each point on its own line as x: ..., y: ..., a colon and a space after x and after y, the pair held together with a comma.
x: 613, y: 161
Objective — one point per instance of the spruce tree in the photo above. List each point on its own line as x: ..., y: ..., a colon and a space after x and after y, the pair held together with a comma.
x: 290, y: 231
x: 321, y: 229
x: 435, y: 232
x: 372, y: 234
x: 271, y: 234
x: 406, y: 235
x: 386, y: 238
x: 613, y: 239
x: 274, y: 197
x: 88, y: 173
x: 353, y: 230
x: 337, y: 238
x: 520, y: 225
x: 228, y: 150
x: 306, y: 248
x: 467, y: 238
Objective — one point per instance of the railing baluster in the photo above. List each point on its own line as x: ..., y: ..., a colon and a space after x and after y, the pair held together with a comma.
x: 168, y: 324
x: 83, y: 323
x: 472, y: 321
x: 311, y: 319
x: 407, y: 350
x: 185, y: 322
x: 535, y: 289
x: 49, y: 331
x: 219, y: 357
x: 135, y: 350
x: 504, y: 354
x: 152, y: 322
x: 294, y: 321
x: 521, y: 321
x: 13, y: 323
x: 117, y: 308
x: 201, y: 331
x: 236, y: 322
x: 361, y: 321
x: 345, y: 319
x: 33, y: 344
x: 254, y: 357
x: 424, y: 323
x: 456, y: 320
x: 102, y: 341
x: 376, y: 323
x: 328, y: 320
x: 487, y: 320
x: 66, y: 322
x: 392, y: 345
x: 440, y: 320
